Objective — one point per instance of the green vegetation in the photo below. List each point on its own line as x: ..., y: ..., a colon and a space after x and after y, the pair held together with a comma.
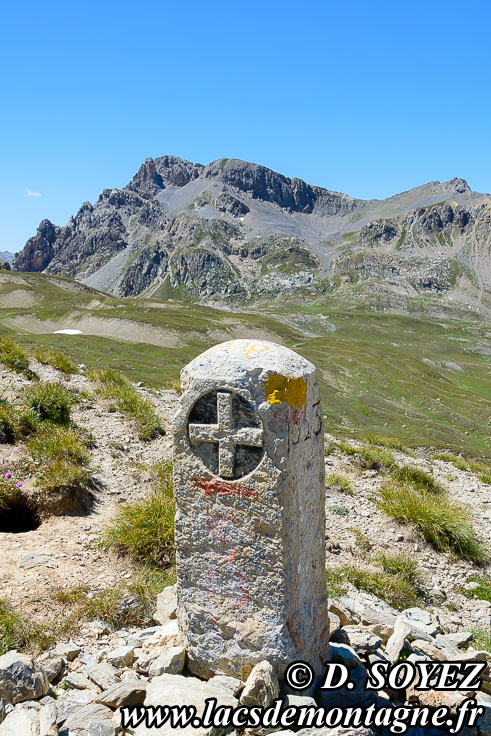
x: 481, y: 591
x: 18, y: 633
x: 393, y: 443
x: 128, y: 604
x: 14, y: 357
x: 369, y: 456
x: 482, y: 470
x: 371, y: 369
x: 391, y: 586
x: 54, y: 442
x: 338, y: 510
x: 50, y: 401
x: 375, y: 458
x: 361, y: 540
x: 339, y: 483
x: 347, y: 448
x: 8, y: 424
x: 144, y: 530
x: 416, y: 477
x: 117, y: 388
x: 444, y: 524
x: 56, y: 359
x: 482, y: 639
x: 399, y: 564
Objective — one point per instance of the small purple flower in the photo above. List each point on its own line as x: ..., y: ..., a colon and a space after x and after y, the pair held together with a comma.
x: 18, y: 485
x: 8, y: 474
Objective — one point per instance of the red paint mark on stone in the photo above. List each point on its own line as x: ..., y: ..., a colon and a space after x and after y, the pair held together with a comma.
x: 223, y: 488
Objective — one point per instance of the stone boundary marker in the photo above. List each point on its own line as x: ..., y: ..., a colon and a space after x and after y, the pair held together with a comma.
x: 250, y: 518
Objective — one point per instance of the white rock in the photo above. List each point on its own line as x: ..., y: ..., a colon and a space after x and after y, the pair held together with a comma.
x: 166, y: 605
x: 261, y: 686
x: 121, y: 656
x: 176, y: 689
x: 397, y: 640
x: 171, y: 661
x: 460, y: 638
x: 20, y: 723
x: 422, y: 624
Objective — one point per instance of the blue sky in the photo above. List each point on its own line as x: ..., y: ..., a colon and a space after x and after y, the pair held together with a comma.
x: 368, y: 98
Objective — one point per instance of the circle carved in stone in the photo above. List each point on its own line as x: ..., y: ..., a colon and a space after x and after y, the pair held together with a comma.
x: 226, y: 434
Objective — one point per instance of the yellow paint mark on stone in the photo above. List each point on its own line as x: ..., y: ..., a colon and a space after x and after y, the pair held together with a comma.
x: 286, y: 388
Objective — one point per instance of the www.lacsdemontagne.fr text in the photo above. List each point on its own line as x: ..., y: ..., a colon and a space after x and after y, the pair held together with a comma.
x: 396, y: 718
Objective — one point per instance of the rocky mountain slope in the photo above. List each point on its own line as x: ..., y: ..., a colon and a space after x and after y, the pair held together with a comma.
x: 234, y: 231
x: 5, y: 255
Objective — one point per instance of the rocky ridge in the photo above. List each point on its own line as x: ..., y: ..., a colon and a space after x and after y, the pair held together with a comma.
x: 236, y: 231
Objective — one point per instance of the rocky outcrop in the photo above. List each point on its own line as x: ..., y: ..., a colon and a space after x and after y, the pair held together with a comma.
x: 4, y: 265
x: 39, y: 250
x: 234, y: 230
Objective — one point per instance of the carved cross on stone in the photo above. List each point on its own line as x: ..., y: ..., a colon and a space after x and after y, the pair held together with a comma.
x: 226, y: 434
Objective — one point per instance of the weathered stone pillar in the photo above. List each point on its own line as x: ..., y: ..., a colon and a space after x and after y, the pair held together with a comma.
x: 250, y: 517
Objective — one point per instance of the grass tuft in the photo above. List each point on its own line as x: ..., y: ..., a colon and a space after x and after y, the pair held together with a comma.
x: 482, y: 639
x: 50, y: 402
x: 144, y: 530
x: 392, y: 588
x: 482, y: 470
x: 119, y: 389
x: 129, y: 604
x: 14, y: 357
x: 17, y: 633
x: 443, y: 524
x: 482, y: 591
x: 375, y: 458
x: 339, y: 483
x: 57, y: 360
x: 58, y: 443
x: 392, y: 443
x: 416, y: 477
x: 399, y: 564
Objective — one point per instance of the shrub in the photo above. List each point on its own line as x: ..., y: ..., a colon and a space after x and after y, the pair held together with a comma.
x: 144, y: 530
x: 17, y: 633
x: 50, y: 402
x: 340, y: 483
x: 416, y: 477
x: 443, y: 524
x: 116, y: 387
x: 60, y: 361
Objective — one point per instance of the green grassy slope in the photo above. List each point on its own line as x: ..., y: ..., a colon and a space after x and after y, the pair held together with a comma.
x: 371, y: 370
